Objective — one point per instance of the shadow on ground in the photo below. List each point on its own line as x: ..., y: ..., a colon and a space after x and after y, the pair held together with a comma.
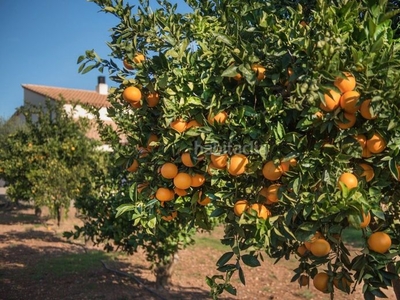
x: 36, y: 263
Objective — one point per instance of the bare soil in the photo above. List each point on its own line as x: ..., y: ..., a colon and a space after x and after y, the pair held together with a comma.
x: 31, y: 246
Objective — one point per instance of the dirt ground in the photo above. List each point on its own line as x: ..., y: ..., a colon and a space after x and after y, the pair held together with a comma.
x: 30, y: 248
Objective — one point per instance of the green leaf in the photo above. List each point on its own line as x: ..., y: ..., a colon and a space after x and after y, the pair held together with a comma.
x: 224, y: 259
x: 250, y: 260
x: 123, y: 209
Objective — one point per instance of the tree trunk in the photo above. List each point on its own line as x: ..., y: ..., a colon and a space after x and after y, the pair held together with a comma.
x: 58, y: 215
x: 164, y: 273
x: 395, y: 282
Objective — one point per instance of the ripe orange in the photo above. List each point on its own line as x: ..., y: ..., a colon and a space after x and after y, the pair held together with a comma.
x: 271, y: 171
x: 272, y: 193
x: 132, y: 94
x: 139, y: 58
x: 350, y: 120
x: 183, y: 181
x: 349, y: 180
x: 205, y: 201
x: 361, y: 139
x: 187, y: 160
x: 349, y: 101
x: 219, y: 161
x: 345, y: 84
x: 332, y: 99
x: 262, y: 211
x: 366, y: 220
x: 240, y: 206
x: 134, y: 166
x: 237, y: 164
x: 320, y: 282
x: 180, y: 192
x: 379, y: 242
x: 304, y: 280
x: 137, y: 104
x: 220, y: 118
x: 169, y: 170
x: 192, y: 124
x: 197, y: 180
x: 141, y: 186
x: 368, y: 172
x: 179, y: 125
x: 366, y: 153
x: 345, y: 284
x: 259, y: 70
x: 376, y: 144
x: 164, y: 194
x: 320, y: 248
x: 143, y: 152
x: 127, y: 65
x: 170, y: 217
x: 302, y: 250
x: 366, y: 111
x: 152, y: 99
x: 318, y: 235
x: 237, y: 77
x: 152, y: 138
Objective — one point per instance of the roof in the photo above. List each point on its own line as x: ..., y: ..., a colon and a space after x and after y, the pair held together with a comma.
x: 70, y: 95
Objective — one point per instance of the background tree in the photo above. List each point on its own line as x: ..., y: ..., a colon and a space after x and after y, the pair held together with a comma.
x: 49, y: 159
x: 312, y: 85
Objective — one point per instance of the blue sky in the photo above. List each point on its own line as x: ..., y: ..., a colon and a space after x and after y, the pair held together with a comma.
x: 41, y: 41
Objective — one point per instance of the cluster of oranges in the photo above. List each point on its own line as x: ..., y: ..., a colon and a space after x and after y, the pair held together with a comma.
x: 318, y: 246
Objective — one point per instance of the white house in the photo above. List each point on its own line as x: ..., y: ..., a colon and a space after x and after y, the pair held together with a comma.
x: 37, y: 95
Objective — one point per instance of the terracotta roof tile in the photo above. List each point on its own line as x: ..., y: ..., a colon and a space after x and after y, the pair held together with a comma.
x: 70, y: 95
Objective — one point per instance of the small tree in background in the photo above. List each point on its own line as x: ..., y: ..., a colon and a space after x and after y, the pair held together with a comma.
x: 49, y: 159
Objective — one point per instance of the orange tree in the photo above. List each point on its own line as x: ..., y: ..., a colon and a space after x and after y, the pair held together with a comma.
x: 286, y: 114
x: 49, y: 158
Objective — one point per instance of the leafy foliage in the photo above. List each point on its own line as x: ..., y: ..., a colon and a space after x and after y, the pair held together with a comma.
x: 212, y: 59
x: 48, y: 160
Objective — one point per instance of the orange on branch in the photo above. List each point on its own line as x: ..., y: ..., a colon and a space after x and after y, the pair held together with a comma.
x: 219, y: 161
x: 368, y: 171
x: 271, y: 171
x: 361, y: 139
x: 170, y: 217
x: 345, y: 84
x: 164, y: 194
x: 180, y: 192
x: 183, y: 181
x: 152, y: 138
x: 365, y: 110
x: 240, y: 207
x: 320, y: 247
x: 192, y: 124
x: 379, y: 242
x: 349, y: 180
x: 127, y: 65
x: 197, y: 180
x: 272, y: 193
x: 262, y: 211
x: 349, y: 101
x: 132, y: 94
x: 220, y: 118
x: 187, y: 160
x: 179, y: 125
x: 304, y: 280
x: 259, y: 70
x: 376, y: 144
x: 134, y: 166
x: 205, y: 201
x: 349, y: 121
x: 237, y: 164
x: 320, y: 282
x: 169, y: 170
x: 139, y: 58
x: 332, y: 99
x: 366, y: 219
x: 152, y: 99
x: 301, y: 250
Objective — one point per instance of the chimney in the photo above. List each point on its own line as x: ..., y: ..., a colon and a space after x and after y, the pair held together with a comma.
x: 102, y: 87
